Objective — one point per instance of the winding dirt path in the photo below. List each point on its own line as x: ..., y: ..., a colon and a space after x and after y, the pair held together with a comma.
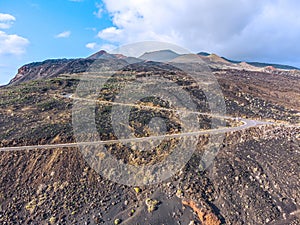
x: 247, y: 123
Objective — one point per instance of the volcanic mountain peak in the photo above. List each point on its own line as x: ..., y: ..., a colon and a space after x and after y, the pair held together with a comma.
x: 217, y: 59
x: 160, y: 56
x: 55, y: 67
x: 203, y: 53
x: 101, y: 54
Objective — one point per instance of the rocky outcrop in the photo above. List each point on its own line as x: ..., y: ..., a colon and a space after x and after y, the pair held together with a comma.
x: 55, y: 68
x: 45, y: 69
x: 206, y: 217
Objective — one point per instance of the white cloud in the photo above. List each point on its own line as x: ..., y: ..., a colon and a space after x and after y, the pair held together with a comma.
x: 64, y: 34
x: 11, y: 47
x: 265, y: 29
x: 6, y: 20
x: 91, y: 28
x: 12, y: 44
x: 99, y: 11
x: 91, y: 45
x: 111, y: 34
x: 180, y: 20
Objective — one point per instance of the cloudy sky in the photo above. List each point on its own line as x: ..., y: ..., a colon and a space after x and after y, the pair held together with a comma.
x: 253, y: 30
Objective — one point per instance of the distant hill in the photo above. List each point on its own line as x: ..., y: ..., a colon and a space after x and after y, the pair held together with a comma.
x: 159, y: 56
x: 278, y: 66
x: 203, y: 54
x: 102, y: 54
x: 259, y: 64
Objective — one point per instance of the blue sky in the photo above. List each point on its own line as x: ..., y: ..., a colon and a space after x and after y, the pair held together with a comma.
x: 41, y: 22
x: 253, y: 30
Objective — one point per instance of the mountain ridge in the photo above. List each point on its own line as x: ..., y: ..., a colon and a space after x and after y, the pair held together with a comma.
x: 160, y: 56
x: 55, y: 67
